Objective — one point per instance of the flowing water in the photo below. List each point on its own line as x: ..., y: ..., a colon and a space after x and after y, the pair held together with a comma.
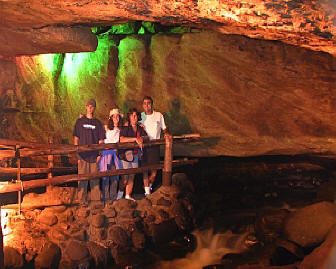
x: 210, y: 250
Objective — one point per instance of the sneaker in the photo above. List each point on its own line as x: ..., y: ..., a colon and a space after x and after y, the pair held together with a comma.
x: 129, y: 198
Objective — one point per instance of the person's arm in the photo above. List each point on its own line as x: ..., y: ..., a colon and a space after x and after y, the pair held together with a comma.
x: 76, y: 140
x: 125, y: 139
x: 99, y: 154
x: 163, y: 126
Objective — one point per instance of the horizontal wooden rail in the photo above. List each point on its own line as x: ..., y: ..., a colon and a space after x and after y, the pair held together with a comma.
x: 57, y: 180
x: 57, y: 149
x: 13, y: 171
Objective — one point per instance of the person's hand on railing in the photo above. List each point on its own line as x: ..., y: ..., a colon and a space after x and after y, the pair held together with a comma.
x: 139, y: 141
x: 167, y: 135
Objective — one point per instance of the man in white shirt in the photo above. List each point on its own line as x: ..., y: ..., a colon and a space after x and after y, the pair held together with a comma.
x: 154, y: 123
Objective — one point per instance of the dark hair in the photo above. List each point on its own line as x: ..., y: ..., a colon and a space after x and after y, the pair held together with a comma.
x: 110, y: 124
x: 147, y: 97
x: 131, y: 111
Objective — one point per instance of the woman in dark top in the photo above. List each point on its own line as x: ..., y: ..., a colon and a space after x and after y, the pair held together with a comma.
x: 130, y: 157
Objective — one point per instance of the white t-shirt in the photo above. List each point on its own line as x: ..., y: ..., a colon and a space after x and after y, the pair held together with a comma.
x: 112, y: 136
x: 153, y: 123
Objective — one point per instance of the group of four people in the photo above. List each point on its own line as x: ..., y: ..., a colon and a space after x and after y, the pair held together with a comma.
x: 136, y: 128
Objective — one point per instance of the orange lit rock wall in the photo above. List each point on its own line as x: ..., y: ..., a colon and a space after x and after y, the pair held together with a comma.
x: 245, y: 96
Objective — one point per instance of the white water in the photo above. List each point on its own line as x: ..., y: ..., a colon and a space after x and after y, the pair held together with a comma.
x: 210, y: 250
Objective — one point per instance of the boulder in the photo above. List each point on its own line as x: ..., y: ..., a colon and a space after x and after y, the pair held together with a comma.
x: 48, y: 218
x: 124, y: 204
x: 322, y: 257
x: 13, y: 259
x: 49, y: 257
x: 118, y: 237
x: 181, y: 180
x: 310, y: 225
x: 164, y: 231
x: 138, y: 239
x: 98, y: 221
x: 99, y: 254
x: 77, y: 251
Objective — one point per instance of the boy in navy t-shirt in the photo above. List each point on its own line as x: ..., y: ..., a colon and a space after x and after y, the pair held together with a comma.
x: 88, y: 130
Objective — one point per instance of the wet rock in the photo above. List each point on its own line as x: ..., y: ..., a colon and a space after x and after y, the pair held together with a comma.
x: 57, y: 235
x: 49, y: 257
x: 80, y: 235
x: 150, y: 219
x: 110, y: 213
x: 164, y: 231
x: 55, y: 209
x: 269, y: 223
x: 143, y: 203
x: 163, y: 214
x: 118, y: 237
x: 47, y: 218
x: 83, y: 212
x: 286, y: 253
x: 94, y: 205
x: 181, y: 180
x: 99, y: 254
x: 12, y: 258
x: 323, y: 256
x: 164, y: 202
x: 310, y: 225
x: 125, y: 257
x: 126, y: 214
x: 77, y: 251
x: 98, y: 221
x: 65, y: 264
x: 138, y: 239
x: 97, y: 234
x: 124, y: 204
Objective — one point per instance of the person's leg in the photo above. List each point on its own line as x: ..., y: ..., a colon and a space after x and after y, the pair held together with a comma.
x: 152, y: 177
x: 103, y: 166
x: 130, y: 181
x: 114, y: 181
x: 129, y: 186
x: 94, y: 183
x: 82, y: 184
x: 105, y: 188
x: 146, y: 183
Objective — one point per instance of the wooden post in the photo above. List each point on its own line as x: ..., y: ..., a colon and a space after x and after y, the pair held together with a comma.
x: 2, y: 258
x: 50, y: 163
x: 18, y: 178
x: 168, y: 158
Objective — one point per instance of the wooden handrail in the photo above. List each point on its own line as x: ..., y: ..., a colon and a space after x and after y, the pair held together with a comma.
x: 57, y: 180
x: 9, y: 171
x: 30, y: 149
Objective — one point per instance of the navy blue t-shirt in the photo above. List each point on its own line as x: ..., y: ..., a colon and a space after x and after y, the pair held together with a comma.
x: 89, y: 131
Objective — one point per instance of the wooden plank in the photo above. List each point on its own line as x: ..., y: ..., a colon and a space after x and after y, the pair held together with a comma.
x: 7, y: 154
x: 168, y: 158
x: 24, y: 171
x: 34, y: 149
x: 4, y: 188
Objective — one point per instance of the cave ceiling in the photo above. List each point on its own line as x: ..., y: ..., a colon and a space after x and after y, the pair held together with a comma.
x: 36, y: 26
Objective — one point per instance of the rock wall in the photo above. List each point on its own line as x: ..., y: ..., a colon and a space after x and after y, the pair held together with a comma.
x: 244, y: 96
x: 74, y: 235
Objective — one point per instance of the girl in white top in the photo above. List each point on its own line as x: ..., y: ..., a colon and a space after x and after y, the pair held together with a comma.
x: 109, y: 159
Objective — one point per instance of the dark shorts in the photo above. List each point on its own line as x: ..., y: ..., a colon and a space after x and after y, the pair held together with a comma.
x: 151, y: 155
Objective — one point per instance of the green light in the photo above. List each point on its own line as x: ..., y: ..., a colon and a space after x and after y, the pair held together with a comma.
x: 124, y: 28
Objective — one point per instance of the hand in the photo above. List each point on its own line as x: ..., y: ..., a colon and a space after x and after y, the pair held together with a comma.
x: 139, y: 141
x: 167, y: 135
x: 98, y: 158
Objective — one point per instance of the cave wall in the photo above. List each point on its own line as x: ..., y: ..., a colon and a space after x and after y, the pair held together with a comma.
x: 244, y: 96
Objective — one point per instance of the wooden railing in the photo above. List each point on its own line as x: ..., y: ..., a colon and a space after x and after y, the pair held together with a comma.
x: 20, y: 149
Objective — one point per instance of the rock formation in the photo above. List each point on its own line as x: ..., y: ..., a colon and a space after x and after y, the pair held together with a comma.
x: 302, y: 23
